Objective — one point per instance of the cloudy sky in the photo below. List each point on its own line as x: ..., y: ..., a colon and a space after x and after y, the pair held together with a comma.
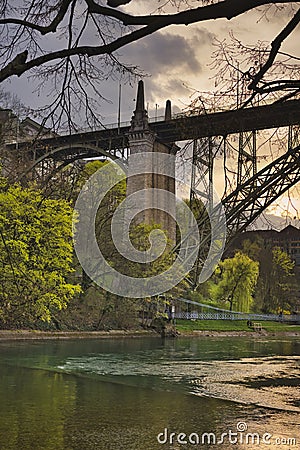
x: 177, y: 61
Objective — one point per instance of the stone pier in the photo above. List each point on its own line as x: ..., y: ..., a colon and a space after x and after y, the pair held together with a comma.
x: 157, y: 208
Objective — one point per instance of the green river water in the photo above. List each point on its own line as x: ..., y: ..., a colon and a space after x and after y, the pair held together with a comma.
x: 131, y: 394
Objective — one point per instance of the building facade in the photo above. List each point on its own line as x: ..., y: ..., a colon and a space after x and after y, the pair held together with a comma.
x: 288, y: 239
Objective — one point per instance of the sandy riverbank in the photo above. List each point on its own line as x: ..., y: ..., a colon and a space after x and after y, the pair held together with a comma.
x: 46, y: 335
x: 36, y: 334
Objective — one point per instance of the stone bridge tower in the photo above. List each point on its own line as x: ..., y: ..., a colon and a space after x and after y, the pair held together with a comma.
x: 143, y: 140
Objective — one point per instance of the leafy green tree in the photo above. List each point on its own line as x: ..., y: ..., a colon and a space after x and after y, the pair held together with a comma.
x: 276, y: 289
x: 98, y: 309
x: 103, y: 309
x: 152, y: 307
x: 237, y: 280
x: 106, y: 209
x: 253, y: 249
x: 276, y: 282
x: 283, y: 268
x: 35, y: 255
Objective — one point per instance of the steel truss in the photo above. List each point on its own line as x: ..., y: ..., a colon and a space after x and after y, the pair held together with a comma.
x: 247, y: 159
x: 205, y: 151
x: 202, y: 185
x: 294, y: 136
x: 253, y: 196
x: 247, y: 202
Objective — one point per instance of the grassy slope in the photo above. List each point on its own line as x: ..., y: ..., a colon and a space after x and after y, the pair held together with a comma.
x: 186, y: 326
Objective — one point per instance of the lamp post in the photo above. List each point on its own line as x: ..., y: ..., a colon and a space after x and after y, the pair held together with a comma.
x: 173, y: 314
x: 119, y: 108
x: 156, y: 107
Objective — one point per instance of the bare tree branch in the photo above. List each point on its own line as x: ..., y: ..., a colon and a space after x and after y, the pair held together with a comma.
x: 275, y: 47
x: 75, y: 64
x: 224, y: 9
x: 116, y: 3
x: 14, y: 66
x: 18, y: 66
x: 51, y: 28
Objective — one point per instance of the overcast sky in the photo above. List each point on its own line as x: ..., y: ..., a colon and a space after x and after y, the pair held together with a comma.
x: 177, y: 61
x: 177, y: 57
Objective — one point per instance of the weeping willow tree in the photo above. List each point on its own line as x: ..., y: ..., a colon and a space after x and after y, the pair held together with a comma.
x: 237, y: 279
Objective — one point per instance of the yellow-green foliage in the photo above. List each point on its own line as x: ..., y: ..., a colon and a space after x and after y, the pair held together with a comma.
x: 35, y: 254
x: 237, y: 280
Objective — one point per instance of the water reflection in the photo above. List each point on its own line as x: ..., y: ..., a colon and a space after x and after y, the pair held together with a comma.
x: 120, y: 394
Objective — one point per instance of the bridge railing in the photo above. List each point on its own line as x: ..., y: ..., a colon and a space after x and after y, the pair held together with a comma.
x: 195, y: 315
x: 115, y: 125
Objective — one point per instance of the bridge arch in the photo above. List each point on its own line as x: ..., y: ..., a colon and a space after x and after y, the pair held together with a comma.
x: 249, y: 200
x: 79, y: 151
x: 252, y: 197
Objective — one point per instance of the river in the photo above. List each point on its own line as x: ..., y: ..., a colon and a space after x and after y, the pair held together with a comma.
x: 147, y: 394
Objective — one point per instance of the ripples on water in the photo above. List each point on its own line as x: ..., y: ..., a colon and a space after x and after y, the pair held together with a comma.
x: 121, y: 394
x: 270, y: 381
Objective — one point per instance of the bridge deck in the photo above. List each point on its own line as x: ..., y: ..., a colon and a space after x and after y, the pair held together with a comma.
x: 184, y: 128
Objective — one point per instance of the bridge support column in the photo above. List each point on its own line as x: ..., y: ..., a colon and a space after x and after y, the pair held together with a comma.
x: 142, y: 140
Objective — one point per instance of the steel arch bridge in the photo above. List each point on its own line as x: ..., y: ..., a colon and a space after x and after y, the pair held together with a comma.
x: 64, y: 156
x: 112, y: 141
x: 245, y: 204
x: 254, y: 192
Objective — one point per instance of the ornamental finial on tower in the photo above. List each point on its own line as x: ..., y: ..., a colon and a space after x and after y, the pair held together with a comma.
x: 168, y: 110
x: 139, y: 120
